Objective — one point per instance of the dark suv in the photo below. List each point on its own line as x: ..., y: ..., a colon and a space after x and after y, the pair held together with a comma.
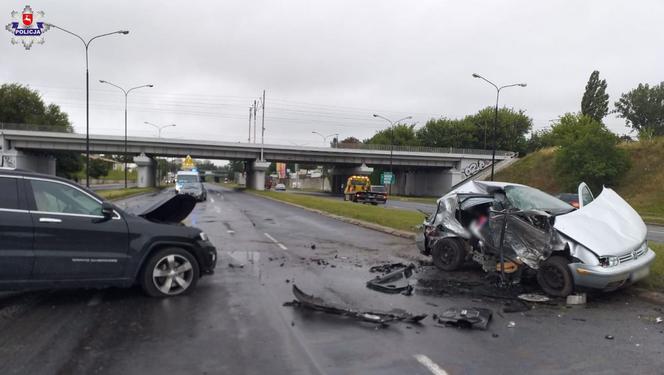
x: 54, y: 233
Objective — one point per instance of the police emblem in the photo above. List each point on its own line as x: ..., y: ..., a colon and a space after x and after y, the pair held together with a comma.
x: 26, y: 27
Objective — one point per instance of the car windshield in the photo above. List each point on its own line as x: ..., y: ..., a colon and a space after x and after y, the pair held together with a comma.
x: 187, y: 178
x: 527, y: 198
x: 378, y: 189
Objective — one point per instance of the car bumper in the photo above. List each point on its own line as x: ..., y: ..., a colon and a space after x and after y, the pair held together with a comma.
x: 207, y: 256
x: 611, y: 278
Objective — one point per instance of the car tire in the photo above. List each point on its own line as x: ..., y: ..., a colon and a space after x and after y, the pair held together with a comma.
x: 448, y: 254
x: 555, y: 277
x: 157, y: 272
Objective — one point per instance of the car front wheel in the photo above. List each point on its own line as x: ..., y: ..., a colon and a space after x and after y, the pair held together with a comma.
x: 448, y: 254
x: 170, y: 272
x: 555, y: 277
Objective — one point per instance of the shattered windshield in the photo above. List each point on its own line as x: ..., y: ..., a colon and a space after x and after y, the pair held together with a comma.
x: 526, y: 198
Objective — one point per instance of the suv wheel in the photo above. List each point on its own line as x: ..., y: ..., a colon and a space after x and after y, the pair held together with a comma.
x: 448, y: 254
x: 555, y: 278
x: 170, y: 272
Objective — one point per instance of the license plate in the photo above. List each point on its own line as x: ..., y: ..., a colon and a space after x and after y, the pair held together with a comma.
x: 640, y: 274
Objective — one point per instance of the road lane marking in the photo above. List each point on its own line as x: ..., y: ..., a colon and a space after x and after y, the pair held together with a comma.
x: 281, y: 246
x: 230, y: 231
x: 429, y: 364
x: 211, y: 199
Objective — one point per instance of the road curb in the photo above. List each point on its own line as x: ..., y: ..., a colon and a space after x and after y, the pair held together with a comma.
x: 650, y: 296
x: 360, y: 223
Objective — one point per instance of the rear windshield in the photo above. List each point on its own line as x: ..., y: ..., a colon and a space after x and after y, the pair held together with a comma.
x: 527, y: 198
x: 187, y: 178
x: 378, y: 189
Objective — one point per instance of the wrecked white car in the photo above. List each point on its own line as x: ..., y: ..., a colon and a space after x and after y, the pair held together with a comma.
x: 512, y: 229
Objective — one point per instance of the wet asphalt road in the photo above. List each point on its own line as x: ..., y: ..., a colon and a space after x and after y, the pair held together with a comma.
x: 234, y: 322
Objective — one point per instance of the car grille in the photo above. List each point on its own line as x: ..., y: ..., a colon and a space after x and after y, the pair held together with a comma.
x: 634, y: 254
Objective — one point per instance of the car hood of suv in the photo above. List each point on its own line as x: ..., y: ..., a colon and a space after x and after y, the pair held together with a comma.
x: 607, y: 226
x: 172, y: 210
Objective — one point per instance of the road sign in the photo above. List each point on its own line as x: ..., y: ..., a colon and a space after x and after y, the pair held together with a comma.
x: 386, y: 178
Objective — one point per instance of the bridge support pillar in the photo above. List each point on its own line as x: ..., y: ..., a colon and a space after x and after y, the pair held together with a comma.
x: 256, y: 174
x: 13, y: 158
x: 424, y: 182
x: 146, y: 167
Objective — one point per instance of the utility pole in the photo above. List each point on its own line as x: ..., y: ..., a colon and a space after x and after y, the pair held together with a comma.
x: 263, y: 125
x: 255, y: 108
x: 250, y: 112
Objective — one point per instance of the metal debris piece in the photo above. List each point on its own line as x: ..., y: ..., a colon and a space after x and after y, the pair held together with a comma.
x: 511, y: 324
x: 534, y: 297
x: 471, y: 317
x: 394, y: 282
x: 315, y: 303
x: 515, y: 306
x: 659, y: 320
x: 576, y: 299
x: 232, y: 265
x: 608, y: 337
x: 386, y: 268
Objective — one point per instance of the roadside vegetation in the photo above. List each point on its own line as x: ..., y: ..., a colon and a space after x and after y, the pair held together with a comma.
x: 656, y: 279
x: 405, y: 220
x: 641, y: 185
x: 114, y: 194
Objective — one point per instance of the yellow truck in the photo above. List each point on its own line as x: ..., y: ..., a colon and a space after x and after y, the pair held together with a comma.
x: 359, y: 189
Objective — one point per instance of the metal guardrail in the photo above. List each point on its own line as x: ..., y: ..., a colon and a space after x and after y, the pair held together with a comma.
x: 35, y: 128
x: 442, y: 150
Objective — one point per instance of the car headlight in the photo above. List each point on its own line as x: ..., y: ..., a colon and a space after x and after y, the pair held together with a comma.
x: 609, y: 261
x: 203, y: 236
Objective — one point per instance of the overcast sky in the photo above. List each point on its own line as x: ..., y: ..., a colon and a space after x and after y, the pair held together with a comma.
x: 327, y: 66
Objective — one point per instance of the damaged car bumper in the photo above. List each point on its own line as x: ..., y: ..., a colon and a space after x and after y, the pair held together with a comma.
x: 611, y: 278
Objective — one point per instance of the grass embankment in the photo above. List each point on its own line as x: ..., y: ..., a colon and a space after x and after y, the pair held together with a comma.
x: 642, y: 186
x: 656, y: 279
x: 403, y: 198
x: 114, y: 194
x: 390, y: 217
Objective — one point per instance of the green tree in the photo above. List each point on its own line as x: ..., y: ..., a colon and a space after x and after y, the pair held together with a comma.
x: 587, y: 152
x: 99, y: 168
x: 398, y: 135
x: 445, y: 132
x: 350, y: 140
x: 595, y: 101
x: 23, y: 106
x: 643, y: 110
x: 511, y: 129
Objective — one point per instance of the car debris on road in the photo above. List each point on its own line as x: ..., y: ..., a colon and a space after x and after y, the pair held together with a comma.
x: 394, y: 282
x: 470, y: 317
x: 379, y: 317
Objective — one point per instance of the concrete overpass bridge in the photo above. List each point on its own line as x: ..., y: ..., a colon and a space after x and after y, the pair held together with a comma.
x: 419, y: 171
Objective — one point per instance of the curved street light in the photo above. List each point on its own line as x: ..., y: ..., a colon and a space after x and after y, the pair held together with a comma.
x: 392, y: 123
x: 495, y: 119
x: 126, y: 93
x: 159, y: 127
x: 325, y: 137
x: 87, y: 92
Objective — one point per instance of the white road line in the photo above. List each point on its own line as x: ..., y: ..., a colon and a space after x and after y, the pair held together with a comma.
x: 230, y: 231
x: 429, y: 364
x: 211, y: 199
x: 281, y: 246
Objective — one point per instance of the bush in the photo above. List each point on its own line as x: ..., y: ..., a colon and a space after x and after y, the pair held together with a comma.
x: 587, y: 152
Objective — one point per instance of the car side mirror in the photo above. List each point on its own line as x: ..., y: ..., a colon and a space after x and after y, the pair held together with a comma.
x: 107, y: 210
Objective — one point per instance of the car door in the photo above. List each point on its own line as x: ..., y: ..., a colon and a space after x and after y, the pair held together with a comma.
x: 585, y: 195
x: 72, y: 238
x: 16, y: 232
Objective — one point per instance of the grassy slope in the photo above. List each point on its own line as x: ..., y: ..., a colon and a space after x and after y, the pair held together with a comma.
x: 656, y: 279
x: 389, y: 217
x: 642, y: 186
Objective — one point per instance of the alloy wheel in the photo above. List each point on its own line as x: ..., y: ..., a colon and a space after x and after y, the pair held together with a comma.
x: 172, y: 274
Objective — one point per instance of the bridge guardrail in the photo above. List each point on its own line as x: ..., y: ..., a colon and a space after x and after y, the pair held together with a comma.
x: 36, y: 128
x: 443, y: 150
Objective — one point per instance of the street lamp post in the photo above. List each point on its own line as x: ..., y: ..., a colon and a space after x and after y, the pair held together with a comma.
x: 495, y: 119
x: 87, y: 93
x: 158, y: 127
x: 325, y: 137
x: 126, y: 93
x: 392, y: 142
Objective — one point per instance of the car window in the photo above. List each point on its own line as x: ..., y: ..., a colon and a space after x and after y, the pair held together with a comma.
x: 527, y: 198
x: 8, y: 193
x: 585, y: 195
x: 187, y: 178
x: 61, y: 198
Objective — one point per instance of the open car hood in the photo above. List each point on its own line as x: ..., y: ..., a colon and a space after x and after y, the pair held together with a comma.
x: 607, y: 226
x: 174, y: 209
